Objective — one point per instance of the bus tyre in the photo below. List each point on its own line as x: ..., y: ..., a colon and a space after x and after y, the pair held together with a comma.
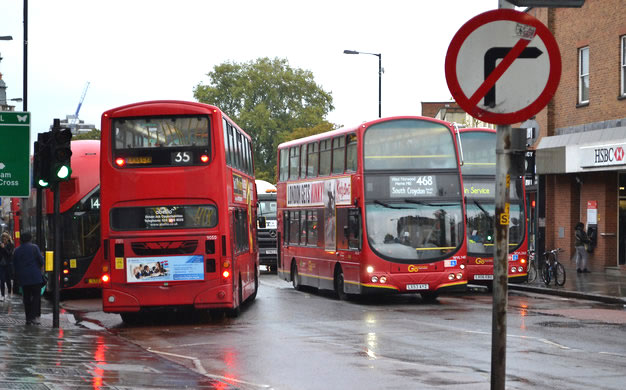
x: 430, y: 296
x: 295, y: 278
x: 130, y: 317
x: 256, y: 286
x: 236, y: 311
x: 339, y: 285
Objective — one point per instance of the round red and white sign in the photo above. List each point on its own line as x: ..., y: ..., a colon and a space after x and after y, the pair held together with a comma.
x: 503, y: 66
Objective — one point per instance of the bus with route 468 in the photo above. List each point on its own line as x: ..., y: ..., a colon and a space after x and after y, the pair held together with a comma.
x: 376, y: 208
x: 479, y: 180
x: 178, y: 209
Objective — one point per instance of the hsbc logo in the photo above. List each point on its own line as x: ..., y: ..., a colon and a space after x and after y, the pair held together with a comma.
x: 609, y: 155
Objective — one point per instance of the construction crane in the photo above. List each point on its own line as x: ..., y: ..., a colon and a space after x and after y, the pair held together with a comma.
x: 72, y: 120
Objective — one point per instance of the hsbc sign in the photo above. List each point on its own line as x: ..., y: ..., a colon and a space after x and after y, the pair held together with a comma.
x: 603, y: 155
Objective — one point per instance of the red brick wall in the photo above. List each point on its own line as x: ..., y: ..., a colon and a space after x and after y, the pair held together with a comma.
x: 430, y: 109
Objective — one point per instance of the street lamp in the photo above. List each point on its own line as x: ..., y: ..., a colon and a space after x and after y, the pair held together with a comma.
x: 380, y: 74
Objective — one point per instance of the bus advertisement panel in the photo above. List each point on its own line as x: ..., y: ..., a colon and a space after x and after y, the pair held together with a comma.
x: 373, y: 209
x: 178, y: 209
x: 479, y: 179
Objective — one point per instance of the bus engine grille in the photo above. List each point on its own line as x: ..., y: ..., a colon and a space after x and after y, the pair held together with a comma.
x: 157, y: 248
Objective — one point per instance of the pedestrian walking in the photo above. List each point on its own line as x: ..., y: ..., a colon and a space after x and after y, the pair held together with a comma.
x: 28, y: 264
x: 6, y: 264
x: 580, y: 242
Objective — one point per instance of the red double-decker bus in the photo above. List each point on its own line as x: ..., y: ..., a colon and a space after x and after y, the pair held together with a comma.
x: 372, y: 209
x: 479, y: 180
x: 81, y: 255
x: 178, y: 204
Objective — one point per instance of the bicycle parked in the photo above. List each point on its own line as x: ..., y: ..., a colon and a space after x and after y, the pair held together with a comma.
x: 532, y: 267
x: 552, y: 268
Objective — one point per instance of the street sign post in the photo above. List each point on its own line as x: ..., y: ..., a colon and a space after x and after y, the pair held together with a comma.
x: 503, y: 66
x: 15, y: 154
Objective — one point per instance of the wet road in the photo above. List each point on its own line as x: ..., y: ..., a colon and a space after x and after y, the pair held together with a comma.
x: 307, y: 340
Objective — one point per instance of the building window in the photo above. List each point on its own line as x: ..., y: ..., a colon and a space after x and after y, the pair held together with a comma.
x: 583, y: 75
x: 623, y: 66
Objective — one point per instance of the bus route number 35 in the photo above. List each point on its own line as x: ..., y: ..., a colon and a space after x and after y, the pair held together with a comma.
x: 181, y: 158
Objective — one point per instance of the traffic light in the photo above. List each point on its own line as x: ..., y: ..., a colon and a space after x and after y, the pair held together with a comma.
x: 60, y: 155
x: 41, y: 160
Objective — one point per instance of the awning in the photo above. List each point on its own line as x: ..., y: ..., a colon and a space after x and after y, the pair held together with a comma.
x: 578, y: 152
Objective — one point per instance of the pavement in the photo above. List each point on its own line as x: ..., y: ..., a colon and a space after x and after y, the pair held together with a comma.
x: 79, y: 355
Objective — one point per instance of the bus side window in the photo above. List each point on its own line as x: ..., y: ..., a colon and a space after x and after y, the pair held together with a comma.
x: 294, y: 162
x: 312, y: 162
x: 354, y: 228
x: 325, y: 157
x: 294, y: 227
x: 351, y: 155
x: 303, y: 156
x: 339, y: 154
x: 285, y: 227
x: 284, y: 164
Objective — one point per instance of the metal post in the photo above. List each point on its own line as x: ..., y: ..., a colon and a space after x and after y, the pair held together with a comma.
x: 500, y: 261
x: 39, y: 219
x: 25, y: 78
x: 57, y: 256
x: 380, y: 83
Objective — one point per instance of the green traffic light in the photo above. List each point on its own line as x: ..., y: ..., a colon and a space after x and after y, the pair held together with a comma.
x: 42, y: 183
x: 64, y: 172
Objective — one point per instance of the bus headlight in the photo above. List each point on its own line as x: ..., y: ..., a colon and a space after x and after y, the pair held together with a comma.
x: 370, y: 269
x: 383, y: 279
x: 462, y: 266
x: 451, y: 277
x: 520, y: 269
x: 513, y: 269
x: 459, y: 275
x: 374, y: 279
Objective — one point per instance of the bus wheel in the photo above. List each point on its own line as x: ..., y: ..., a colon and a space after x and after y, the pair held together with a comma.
x: 429, y: 297
x: 130, y: 317
x: 295, y: 278
x: 256, y: 287
x: 234, y: 312
x: 339, y: 285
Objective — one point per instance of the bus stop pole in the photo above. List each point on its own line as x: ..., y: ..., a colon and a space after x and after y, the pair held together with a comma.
x: 504, y: 137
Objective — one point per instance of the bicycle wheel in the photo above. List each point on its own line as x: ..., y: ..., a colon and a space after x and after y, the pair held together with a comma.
x: 532, y: 271
x: 559, y: 274
x: 545, y: 273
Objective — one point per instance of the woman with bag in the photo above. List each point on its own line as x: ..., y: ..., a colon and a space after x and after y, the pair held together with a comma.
x: 6, y: 263
x: 28, y: 264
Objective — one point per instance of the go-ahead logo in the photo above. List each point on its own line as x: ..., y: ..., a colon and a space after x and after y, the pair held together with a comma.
x: 609, y: 155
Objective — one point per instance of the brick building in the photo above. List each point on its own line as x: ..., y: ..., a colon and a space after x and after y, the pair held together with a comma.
x: 580, y: 152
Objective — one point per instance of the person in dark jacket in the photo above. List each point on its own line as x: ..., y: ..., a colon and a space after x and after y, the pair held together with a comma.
x: 28, y: 265
x: 580, y: 239
x: 6, y: 263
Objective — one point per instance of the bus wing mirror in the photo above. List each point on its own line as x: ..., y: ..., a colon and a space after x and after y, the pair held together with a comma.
x: 261, y: 222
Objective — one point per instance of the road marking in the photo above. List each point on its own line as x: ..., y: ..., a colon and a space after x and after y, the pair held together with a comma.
x: 200, y: 369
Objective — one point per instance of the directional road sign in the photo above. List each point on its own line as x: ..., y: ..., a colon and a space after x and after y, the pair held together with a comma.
x: 503, y: 66
x: 15, y: 154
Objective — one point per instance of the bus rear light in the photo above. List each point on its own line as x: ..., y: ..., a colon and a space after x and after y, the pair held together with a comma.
x: 66, y: 271
x: 226, y: 264
x: 120, y: 162
x: 111, y: 299
x: 225, y: 274
x: 105, y: 278
x: 204, y: 158
x: 383, y: 279
x: 523, y: 261
x: 65, y: 263
x: 105, y: 268
x: 374, y: 279
x: 451, y: 277
x: 370, y: 269
x: 221, y: 295
x: 459, y: 275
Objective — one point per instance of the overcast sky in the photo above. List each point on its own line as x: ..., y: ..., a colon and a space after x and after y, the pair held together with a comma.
x: 137, y: 50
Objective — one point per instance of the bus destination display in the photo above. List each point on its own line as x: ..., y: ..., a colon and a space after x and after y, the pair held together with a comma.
x: 412, y: 186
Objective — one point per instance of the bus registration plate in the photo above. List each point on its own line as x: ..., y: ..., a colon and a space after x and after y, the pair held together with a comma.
x: 271, y: 251
x: 483, y: 277
x: 417, y: 286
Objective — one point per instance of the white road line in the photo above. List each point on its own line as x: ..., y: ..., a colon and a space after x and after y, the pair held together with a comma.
x: 201, y: 370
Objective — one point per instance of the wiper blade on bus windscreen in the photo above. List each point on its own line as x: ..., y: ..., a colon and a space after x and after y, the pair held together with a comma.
x: 386, y: 205
x: 482, y: 209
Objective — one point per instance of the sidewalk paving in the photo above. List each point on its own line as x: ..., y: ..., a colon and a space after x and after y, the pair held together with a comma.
x: 74, y: 357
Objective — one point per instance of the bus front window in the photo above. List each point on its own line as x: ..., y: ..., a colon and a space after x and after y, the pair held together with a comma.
x: 411, y: 232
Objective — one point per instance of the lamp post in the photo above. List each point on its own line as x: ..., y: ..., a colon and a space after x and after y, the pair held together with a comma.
x: 380, y: 74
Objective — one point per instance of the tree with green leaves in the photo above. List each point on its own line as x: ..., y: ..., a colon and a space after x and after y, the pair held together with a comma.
x: 91, y: 134
x: 268, y: 99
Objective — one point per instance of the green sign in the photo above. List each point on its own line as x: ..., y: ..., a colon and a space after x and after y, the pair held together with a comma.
x: 15, y: 154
